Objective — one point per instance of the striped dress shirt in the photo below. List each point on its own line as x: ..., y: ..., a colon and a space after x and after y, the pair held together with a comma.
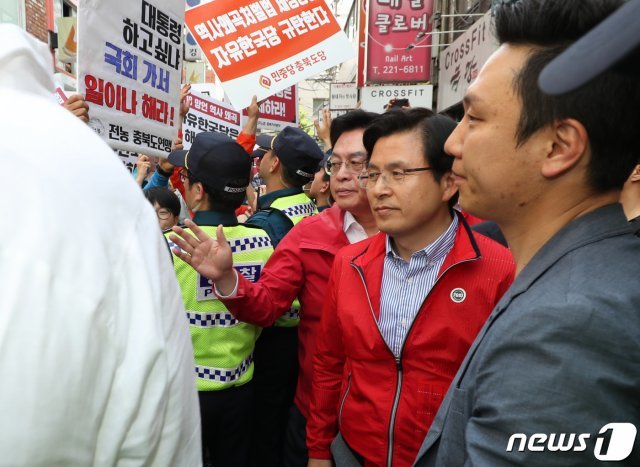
x: 405, y: 286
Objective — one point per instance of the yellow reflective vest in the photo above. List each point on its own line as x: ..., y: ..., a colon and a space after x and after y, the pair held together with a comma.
x: 223, y: 346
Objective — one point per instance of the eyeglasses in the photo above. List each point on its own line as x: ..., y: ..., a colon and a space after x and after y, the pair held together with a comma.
x: 353, y: 166
x: 163, y: 214
x: 369, y: 177
x: 183, y: 175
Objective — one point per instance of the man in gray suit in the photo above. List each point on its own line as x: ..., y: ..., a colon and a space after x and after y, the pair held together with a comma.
x: 553, y: 378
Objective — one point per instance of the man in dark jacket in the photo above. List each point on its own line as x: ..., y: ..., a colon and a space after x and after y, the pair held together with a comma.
x: 552, y: 378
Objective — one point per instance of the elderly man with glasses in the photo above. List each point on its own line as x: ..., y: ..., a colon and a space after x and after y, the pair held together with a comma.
x: 299, y: 267
x: 402, y: 307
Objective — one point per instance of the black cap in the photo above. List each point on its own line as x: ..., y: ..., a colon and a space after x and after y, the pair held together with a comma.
x: 297, y: 151
x: 215, y: 159
x: 602, y: 48
x: 264, y: 144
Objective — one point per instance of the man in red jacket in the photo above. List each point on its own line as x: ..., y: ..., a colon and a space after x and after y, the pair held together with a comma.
x: 402, y: 307
x: 299, y: 267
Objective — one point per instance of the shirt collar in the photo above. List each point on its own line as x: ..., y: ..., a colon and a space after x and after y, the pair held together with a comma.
x: 349, y: 220
x: 352, y: 228
x: 265, y: 200
x: 436, y: 250
x: 215, y: 218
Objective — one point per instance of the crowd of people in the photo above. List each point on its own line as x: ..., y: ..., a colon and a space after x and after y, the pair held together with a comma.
x: 411, y: 291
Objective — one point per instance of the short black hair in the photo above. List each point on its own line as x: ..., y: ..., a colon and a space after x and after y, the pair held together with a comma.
x: 434, y: 129
x: 220, y: 200
x: 353, y: 120
x: 607, y: 106
x: 164, y: 197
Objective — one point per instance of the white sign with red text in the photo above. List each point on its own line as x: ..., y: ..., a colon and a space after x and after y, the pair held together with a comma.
x: 208, y: 114
x: 260, y: 47
x: 129, y: 70
x: 278, y: 111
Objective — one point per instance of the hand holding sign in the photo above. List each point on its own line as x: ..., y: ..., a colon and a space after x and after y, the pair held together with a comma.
x: 78, y: 107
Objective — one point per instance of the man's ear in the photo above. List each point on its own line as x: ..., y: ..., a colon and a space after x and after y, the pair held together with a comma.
x: 635, y: 175
x: 198, y: 191
x: 569, y: 146
x: 449, y: 188
x: 275, y: 164
x: 325, y: 187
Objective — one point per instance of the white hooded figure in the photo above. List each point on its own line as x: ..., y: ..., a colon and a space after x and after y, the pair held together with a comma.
x: 96, y: 362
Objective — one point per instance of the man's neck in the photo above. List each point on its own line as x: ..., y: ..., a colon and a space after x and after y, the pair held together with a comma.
x: 322, y: 201
x: 406, y: 245
x: 274, y: 184
x: 367, y: 222
x: 631, y: 203
x: 528, y: 232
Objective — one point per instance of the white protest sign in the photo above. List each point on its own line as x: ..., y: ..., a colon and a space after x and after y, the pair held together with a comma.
x: 208, y: 114
x: 129, y: 159
x: 129, y: 70
x: 374, y: 98
x: 343, y: 96
x: 260, y: 47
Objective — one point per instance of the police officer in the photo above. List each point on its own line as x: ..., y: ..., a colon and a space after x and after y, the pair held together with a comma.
x: 289, y: 161
x: 215, y: 173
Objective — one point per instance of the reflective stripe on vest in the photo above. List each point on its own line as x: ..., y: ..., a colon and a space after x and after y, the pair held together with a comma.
x: 224, y: 375
x: 300, y: 210
x: 295, y: 207
x: 222, y: 345
x: 211, y: 320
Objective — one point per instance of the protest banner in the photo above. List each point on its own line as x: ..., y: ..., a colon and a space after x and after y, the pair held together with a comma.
x: 277, y: 111
x: 129, y: 159
x: 208, y: 114
x: 129, y: 70
x: 260, y: 47
x: 399, y: 41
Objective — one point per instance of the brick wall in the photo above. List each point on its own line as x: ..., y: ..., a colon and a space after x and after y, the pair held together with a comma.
x: 36, y: 18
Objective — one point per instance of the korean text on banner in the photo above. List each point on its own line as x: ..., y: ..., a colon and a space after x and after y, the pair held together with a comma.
x: 278, y: 111
x: 399, y: 41
x: 264, y: 46
x: 208, y: 114
x: 129, y: 70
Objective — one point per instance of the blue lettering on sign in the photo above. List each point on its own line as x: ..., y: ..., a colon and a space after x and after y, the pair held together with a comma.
x: 251, y: 272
